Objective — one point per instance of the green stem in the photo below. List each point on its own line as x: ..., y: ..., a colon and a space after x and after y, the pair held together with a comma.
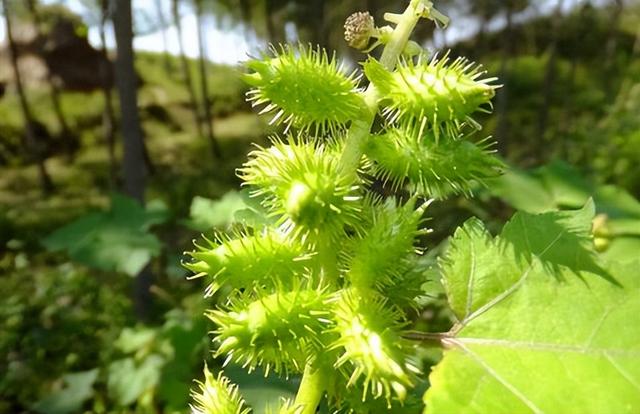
x: 311, y: 389
x: 328, y: 261
x: 360, y: 129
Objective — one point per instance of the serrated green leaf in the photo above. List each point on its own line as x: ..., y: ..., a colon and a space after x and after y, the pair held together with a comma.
x: 551, y: 340
x: 470, y: 262
x: 559, y: 185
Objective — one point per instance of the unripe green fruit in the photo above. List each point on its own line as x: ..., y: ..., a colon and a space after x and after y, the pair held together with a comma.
x: 371, y: 342
x: 380, y: 257
x: 217, y: 396
x: 435, y: 90
x: 435, y: 169
x: 305, y: 88
x: 276, y: 331
x: 260, y: 259
x: 303, y: 185
x: 300, y: 202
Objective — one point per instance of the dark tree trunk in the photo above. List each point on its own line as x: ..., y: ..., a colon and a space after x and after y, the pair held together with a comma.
x: 319, y: 17
x: 268, y: 22
x: 133, y: 163
x: 70, y: 141
x: 275, y: 31
x: 133, y: 148
x: 502, y: 127
x: 33, y: 145
x: 245, y: 11
x: 550, y: 73
x: 163, y: 29
x: 186, y: 71
x: 108, y: 114
x: 206, y: 103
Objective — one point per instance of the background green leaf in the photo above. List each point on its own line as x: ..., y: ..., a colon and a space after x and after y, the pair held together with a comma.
x: 114, y: 240
x: 234, y: 207
x: 130, y: 379
x: 78, y: 388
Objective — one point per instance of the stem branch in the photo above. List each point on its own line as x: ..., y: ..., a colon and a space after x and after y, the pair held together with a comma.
x: 359, y: 131
x: 434, y: 339
x: 311, y: 390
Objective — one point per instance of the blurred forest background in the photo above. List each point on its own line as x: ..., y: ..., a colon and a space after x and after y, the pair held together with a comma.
x: 113, y: 159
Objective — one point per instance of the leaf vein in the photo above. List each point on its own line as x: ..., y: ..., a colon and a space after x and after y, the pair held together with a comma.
x: 541, y: 346
x: 501, y: 380
x: 472, y: 272
x: 497, y: 299
x: 622, y: 371
x: 597, y: 326
x: 511, y: 289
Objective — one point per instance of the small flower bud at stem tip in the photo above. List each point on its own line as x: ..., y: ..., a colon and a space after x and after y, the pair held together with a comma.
x: 358, y: 29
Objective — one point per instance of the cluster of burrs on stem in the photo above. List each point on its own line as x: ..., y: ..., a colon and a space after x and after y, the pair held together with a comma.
x: 326, y: 287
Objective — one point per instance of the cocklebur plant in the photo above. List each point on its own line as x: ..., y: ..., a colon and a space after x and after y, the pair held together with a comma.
x: 324, y: 291
x: 327, y: 290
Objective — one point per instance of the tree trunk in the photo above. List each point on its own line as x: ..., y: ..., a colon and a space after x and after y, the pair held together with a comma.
x: 206, y: 103
x: 186, y: 71
x: 163, y: 29
x: 70, y: 141
x: 32, y: 144
x: 502, y: 127
x: 550, y: 72
x: 275, y: 31
x: 319, y: 28
x: 133, y: 163
x: 108, y: 114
